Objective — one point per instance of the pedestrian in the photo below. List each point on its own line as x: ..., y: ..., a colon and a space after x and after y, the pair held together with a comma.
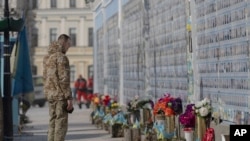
x: 56, y: 74
x: 24, y: 105
x: 82, y: 91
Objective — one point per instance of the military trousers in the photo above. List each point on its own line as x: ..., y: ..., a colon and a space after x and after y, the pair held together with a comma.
x: 58, y: 122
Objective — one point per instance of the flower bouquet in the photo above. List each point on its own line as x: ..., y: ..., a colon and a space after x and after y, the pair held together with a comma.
x: 132, y: 105
x: 134, y: 110
x: 176, y: 105
x: 106, y: 103
x: 187, y: 120
x: 164, y: 111
x: 107, y: 121
x: 145, y: 106
x: 203, y: 110
x: 163, y: 107
x: 98, y: 114
x: 114, y: 107
x: 132, y: 128
x: 95, y: 101
x: 117, y: 122
x: 146, y: 116
x: 94, y: 104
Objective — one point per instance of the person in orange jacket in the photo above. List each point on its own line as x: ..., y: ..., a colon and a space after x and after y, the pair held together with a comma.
x: 81, y: 90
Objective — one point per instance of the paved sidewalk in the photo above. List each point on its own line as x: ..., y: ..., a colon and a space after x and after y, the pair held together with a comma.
x: 80, y: 127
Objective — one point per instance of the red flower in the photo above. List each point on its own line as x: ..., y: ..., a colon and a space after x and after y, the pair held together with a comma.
x: 106, y: 100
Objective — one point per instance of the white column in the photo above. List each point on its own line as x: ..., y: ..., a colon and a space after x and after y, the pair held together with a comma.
x: 84, y: 72
x: 95, y: 56
x: 60, y: 3
x: 147, y: 58
x: 81, y: 38
x: 105, y: 51
x: 80, y: 68
x: 196, y: 94
x: 120, y: 42
x: 80, y: 3
x: 40, y: 65
x: 62, y: 28
x: 41, y: 4
x: 64, y: 3
x: 42, y: 38
x: 47, y: 4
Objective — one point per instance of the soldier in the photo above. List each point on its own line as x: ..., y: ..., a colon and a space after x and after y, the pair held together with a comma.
x: 56, y: 73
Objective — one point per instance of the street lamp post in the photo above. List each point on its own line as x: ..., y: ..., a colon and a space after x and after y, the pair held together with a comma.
x: 7, y: 99
x: 8, y: 24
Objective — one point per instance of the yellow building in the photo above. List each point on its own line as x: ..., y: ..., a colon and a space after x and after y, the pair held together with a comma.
x: 50, y: 18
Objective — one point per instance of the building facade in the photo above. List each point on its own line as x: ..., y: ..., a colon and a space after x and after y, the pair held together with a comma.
x: 50, y: 18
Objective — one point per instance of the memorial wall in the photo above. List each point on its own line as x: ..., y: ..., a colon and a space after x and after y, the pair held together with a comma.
x: 164, y: 46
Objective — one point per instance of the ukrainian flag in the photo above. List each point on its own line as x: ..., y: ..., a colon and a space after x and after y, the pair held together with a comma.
x: 22, y: 73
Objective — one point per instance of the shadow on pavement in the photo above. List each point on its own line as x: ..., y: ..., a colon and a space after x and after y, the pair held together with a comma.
x: 71, y: 125
x: 80, y: 130
x: 30, y: 137
x: 84, y: 136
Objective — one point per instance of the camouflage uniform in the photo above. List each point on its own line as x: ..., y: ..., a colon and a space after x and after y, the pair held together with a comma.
x: 57, y: 90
